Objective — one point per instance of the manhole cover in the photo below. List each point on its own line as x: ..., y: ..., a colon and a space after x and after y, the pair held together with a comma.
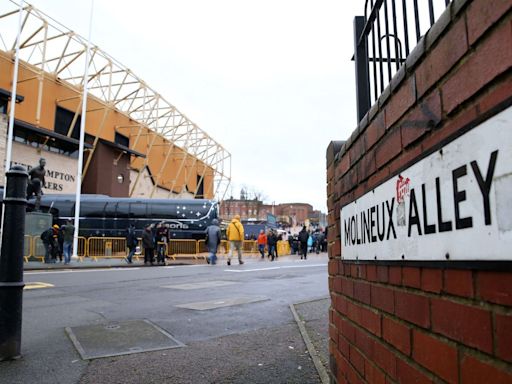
x: 123, y: 338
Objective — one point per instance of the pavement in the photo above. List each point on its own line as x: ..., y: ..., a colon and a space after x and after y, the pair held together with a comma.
x: 289, y: 353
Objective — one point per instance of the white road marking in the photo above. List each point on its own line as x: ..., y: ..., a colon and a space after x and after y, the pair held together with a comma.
x: 271, y: 268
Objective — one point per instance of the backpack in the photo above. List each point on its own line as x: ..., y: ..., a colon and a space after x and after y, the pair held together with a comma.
x: 303, y: 236
x: 46, y: 235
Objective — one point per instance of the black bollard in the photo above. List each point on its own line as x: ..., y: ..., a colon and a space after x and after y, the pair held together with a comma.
x: 11, y: 263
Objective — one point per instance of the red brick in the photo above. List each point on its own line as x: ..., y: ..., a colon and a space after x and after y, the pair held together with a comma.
x: 347, y: 330
x: 335, y: 249
x: 362, y: 292
x: 347, y: 287
x: 383, y: 298
x: 357, y: 149
x: 495, y: 287
x: 411, y: 277
x: 333, y: 333
x: 449, y: 51
x: 408, y: 374
x: 389, y: 147
x: 373, y: 374
x: 479, y: 68
x: 343, y: 165
x: 382, y: 274
x: 400, y: 102
x: 474, y: 371
x: 421, y: 119
x: 397, y: 334
x: 357, y: 360
x: 469, y: 325
x: 364, y: 342
x: 378, y: 177
x: 495, y: 96
x: 343, y: 346
x: 332, y: 267
x: 366, y: 166
x: 406, y: 159
x: 375, y: 130
x: 371, y: 272
x: 395, y: 275
x: 435, y: 355
x: 384, y: 358
x: 432, y: 280
x: 341, y: 305
x: 370, y: 321
x: 336, y: 284
x: 450, y: 128
x: 482, y: 14
x: 413, y: 308
x: 458, y: 282
x: 503, y: 337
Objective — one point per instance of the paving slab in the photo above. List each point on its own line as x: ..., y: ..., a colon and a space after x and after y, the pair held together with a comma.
x: 200, y: 285
x: 220, y: 303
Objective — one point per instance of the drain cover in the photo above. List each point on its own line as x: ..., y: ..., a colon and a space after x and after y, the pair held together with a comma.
x: 120, y: 338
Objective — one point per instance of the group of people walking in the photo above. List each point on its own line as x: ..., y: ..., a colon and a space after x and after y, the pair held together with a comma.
x: 153, y: 238
x: 58, y: 243
x: 234, y: 234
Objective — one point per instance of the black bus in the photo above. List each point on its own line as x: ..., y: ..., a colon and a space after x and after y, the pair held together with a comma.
x: 101, y: 215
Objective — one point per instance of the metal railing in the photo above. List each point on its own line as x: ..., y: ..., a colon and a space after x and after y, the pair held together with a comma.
x: 383, y: 38
x: 115, y: 247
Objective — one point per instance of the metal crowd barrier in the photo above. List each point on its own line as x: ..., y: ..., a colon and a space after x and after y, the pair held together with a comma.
x: 182, y: 248
x: 27, y: 247
x: 106, y: 247
x: 115, y: 247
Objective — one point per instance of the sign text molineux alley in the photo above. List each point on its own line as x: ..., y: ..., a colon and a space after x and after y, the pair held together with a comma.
x: 454, y: 204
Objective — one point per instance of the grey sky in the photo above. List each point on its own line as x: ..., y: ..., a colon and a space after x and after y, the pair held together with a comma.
x: 271, y: 81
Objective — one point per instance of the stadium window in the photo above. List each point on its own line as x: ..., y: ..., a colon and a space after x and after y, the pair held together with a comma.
x: 122, y: 140
x: 63, y: 120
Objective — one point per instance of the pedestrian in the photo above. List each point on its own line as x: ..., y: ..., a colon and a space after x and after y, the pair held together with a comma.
x: 47, y: 239
x: 131, y: 243
x: 161, y: 236
x: 56, y: 249
x: 212, y: 241
x: 272, y: 245
x: 303, y: 240
x: 235, y: 235
x: 148, y: 244
x: 262, y: 243
x: 68, y: 235
x: 60, y: 242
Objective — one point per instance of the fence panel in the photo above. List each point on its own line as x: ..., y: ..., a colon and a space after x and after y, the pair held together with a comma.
x: 38, y: 250
x: 106, y: 247
x: 27, y: 247
x: 283, y: 248
x: 182, y: 248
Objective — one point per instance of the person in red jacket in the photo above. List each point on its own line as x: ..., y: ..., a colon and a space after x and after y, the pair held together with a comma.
x: 262, y: 242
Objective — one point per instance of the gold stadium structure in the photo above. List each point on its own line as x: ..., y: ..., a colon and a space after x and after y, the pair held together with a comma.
x: 137, y: 144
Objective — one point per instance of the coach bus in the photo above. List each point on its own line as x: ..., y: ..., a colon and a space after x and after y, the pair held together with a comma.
x: 101, y: 215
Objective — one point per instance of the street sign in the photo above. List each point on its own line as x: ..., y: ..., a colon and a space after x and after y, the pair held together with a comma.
x: 454, y: 204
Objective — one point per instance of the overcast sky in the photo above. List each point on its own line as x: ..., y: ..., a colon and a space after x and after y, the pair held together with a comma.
x: 270, y: 80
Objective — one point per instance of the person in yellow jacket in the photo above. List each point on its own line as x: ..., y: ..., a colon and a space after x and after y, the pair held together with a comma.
x: 235, y: 235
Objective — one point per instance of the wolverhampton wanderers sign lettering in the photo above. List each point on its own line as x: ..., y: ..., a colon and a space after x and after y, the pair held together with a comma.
x: 455, y: 204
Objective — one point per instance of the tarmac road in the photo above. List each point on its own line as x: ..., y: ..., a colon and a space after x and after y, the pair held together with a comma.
x: 241, y: 330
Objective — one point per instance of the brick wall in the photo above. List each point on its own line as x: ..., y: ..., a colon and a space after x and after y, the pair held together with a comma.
x: 416, y: 322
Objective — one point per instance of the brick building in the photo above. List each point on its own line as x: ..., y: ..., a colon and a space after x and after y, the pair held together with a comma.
x: 290, y: 213
x: 428, y: 299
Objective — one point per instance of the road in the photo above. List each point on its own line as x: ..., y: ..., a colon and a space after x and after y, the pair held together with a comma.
x: 231, y: 324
